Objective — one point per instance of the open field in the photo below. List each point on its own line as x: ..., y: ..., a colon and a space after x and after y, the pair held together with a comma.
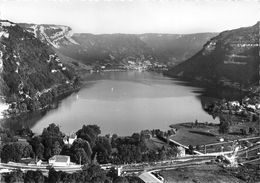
x: 191, y: 134
x: 199, y: 173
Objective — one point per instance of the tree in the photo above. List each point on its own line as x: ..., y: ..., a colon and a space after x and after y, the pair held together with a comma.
x: 16, y: 151
x: 37, y: 146
x: 121, y: 180
x: 54, y: 176
x: 198, y: 147
x: 94, y: 173
x: 103, y: 149
x: 224, y: 127
x: 81, y: 151
x: 162, y: 154
x: 136, y: 137
x: 252, y: 130
x: 53, y: 132
x: 112, y: 173
x: 52, y: 139
x: 25, y: 132
x: 7, y: 135
x: 56, y: 148
x: 89, y: 133
x: 80, y: 156
x: 243, y: 131
x: 80, y: 143
x: 14, y: 176
x: 33, y: 177
x: 113, y: 140
x: 196, y: 122
x: 191, y: 149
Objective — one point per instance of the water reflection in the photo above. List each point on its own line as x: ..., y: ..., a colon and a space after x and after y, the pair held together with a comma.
x: 126, y: 102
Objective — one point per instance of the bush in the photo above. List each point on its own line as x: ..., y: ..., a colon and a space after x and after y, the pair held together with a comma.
x: 224, y: 127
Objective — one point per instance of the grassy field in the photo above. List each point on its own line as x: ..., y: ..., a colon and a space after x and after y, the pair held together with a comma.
x: 190, y: 134
x: 199, y: 173
x: 187, y: 137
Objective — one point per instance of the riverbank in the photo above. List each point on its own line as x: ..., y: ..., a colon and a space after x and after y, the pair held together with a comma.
x: 43, y: 100
x: 17, y: 115
x: 202, y: 82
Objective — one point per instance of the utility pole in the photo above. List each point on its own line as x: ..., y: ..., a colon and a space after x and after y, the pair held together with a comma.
x: 259, y: 51
x: 259, y: 71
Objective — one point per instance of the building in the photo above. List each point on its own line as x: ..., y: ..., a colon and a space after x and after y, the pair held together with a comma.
x: 59, y: 160
x: 181, y: 151
x: 70, y: 139
x: 149, y: 177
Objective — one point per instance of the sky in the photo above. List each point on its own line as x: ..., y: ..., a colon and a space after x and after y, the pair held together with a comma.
x: 135, y: 16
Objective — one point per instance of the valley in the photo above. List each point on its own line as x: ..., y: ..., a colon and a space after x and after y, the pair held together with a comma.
x: 117, y: 50
x: 163, y: 101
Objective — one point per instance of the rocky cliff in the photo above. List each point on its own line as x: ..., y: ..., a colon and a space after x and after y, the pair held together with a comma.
x: 232, y: 57
x: 54, y: 35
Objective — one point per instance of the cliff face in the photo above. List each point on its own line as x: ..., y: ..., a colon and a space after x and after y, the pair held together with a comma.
x: 54, y: 35
x: 32, y: 75
x: 232, y: 56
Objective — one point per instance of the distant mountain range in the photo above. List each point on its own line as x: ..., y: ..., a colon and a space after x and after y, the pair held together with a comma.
x: 119, y: 48
x: 175, y: 48
x: 232, y: 57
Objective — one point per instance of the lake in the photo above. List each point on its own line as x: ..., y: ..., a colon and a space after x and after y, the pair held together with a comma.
x: 127, y: 102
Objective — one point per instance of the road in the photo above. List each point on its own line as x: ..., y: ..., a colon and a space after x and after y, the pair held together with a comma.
x: 43, y: 168
x: 141, y: 167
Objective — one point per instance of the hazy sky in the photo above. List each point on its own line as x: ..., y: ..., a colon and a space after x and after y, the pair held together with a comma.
x: 135, y: 16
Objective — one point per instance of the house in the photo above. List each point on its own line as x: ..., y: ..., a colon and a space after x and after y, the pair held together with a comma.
x: 252, y: 107
x: 59, y: 160
x: 234, y: 103
x: 38, y: 163
x: 181, y: 151
x: 70, y: 139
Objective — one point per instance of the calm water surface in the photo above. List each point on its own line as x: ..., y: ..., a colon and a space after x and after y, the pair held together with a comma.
x: 127, y: 102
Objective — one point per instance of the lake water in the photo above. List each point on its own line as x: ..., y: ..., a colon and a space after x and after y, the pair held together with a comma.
x: 127, y: 102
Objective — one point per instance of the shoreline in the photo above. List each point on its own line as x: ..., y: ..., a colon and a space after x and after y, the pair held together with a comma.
x: 40, y: 111
x: 200, y: 81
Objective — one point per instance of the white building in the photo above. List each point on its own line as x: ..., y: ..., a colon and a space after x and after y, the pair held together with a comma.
x: 70, y: 139
x: 234, y: 103
x: 59, y: 160
x: 181, y: 151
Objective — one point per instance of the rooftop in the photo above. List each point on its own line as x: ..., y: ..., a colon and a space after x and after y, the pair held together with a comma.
x: 60, y: 158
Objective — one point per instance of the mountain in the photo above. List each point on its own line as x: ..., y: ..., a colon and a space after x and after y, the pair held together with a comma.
x: 117, y: 49
x: 232, y: 57
x: 109, y: 48
x: 175, y: 48
x: 32, y: 75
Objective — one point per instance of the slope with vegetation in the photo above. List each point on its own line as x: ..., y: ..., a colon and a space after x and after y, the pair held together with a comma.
x: 232, y: 57
x: 32, y: 75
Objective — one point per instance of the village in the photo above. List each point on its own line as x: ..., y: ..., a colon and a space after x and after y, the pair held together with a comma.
x: 229, y: 153
x: 130, y: 65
